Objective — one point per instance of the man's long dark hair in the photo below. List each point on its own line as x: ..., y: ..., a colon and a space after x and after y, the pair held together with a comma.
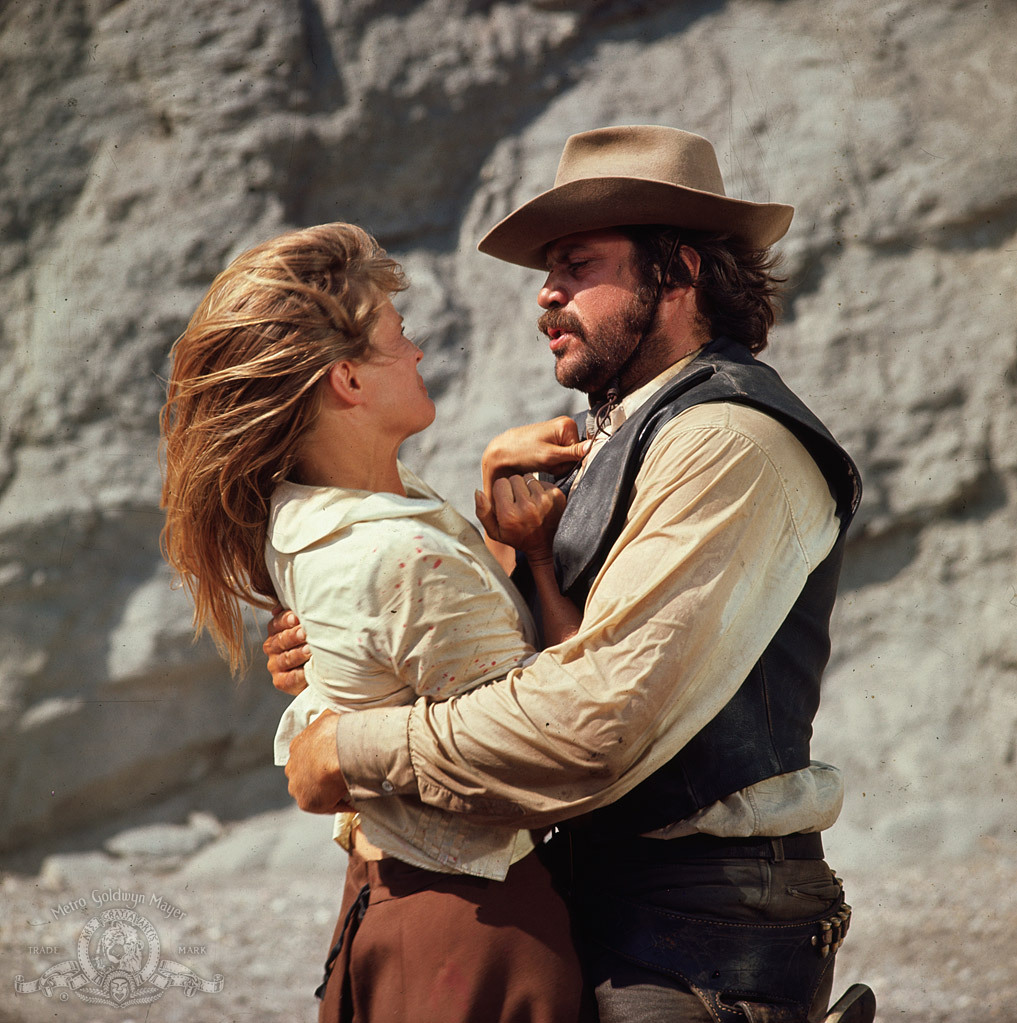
x: 738, y: 288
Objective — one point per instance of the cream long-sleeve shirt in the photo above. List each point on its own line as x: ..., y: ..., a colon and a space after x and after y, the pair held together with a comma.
x: 729, y: 515
x: 400, y: 598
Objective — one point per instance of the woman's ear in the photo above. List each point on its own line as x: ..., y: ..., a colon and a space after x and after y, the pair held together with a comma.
x: 343, y: 381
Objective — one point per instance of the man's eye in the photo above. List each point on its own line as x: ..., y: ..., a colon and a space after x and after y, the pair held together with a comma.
x: 576, y: 266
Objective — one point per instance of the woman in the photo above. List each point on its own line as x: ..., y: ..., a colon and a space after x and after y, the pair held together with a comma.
x: 292, y: 389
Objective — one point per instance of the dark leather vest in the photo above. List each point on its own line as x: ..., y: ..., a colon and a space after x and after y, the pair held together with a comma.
x: 766, y: 727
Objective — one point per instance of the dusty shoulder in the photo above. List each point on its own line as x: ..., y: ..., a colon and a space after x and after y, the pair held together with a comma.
x: 732, y: 423
x: 739, y: 450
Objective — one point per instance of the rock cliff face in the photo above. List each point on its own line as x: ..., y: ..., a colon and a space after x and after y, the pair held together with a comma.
x: 143, y: 145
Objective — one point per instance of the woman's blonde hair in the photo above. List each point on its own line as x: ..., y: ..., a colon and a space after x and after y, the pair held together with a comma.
x: 242, y: 393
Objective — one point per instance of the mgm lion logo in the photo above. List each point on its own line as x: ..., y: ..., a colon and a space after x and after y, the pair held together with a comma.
x: 118, y: 964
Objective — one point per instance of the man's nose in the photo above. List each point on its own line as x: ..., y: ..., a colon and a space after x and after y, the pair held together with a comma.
x: 551, y: 294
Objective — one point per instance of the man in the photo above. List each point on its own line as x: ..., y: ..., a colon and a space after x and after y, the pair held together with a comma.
x: 668, y: 739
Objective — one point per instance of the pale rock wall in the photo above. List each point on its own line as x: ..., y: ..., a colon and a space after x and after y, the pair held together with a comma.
x: 142, y: 145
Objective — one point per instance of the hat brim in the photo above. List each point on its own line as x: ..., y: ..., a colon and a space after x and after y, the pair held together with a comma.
x: 590, y: 204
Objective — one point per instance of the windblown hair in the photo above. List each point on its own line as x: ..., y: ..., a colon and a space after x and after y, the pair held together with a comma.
x: 738, y: 289
x: 242, y: 394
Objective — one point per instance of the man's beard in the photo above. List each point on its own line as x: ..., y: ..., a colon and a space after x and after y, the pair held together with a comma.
x: 603, y: 353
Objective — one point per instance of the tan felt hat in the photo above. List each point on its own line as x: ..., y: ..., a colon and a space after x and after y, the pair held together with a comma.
x: 638, y: 174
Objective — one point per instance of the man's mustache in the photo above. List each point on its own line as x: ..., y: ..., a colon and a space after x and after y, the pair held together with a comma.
x: 561, y: 321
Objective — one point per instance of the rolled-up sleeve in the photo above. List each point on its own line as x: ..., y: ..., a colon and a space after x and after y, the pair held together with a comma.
x: 728, y: 517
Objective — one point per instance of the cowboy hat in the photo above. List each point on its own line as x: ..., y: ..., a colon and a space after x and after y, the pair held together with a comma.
x: 640, y: 174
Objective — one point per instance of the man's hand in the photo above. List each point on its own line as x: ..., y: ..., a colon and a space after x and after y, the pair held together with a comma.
x: 315, y: 781
x: 523, y: 513
x: 287, y: 651
x: 552, y: 446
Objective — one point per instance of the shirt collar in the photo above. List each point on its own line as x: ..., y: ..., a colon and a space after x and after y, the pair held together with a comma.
x: 634, y: 400
x: 302, y: 515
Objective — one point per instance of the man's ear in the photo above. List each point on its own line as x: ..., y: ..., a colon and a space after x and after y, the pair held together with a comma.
x: 343, y: 381
x: 691, y: 259
x: 683, y: 292
x: 692, y: 262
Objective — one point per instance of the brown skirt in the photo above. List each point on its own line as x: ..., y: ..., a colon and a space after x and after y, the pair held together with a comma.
x: 448, y: 948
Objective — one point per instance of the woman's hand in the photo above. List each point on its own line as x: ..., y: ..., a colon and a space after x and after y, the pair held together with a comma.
x: 552, y: 446
x: 522, y: 512
x: 287, y: 651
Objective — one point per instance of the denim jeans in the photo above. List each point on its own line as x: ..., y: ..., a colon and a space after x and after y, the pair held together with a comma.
x: 743, y: 890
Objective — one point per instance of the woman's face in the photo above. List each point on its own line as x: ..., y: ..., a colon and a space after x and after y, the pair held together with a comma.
x: 398, y: 394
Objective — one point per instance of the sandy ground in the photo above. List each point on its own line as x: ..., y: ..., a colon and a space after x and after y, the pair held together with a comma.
x: 254, y: 901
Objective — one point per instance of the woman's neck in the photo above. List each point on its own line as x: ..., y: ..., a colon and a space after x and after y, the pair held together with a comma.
x: 354, y: 460
x: 378, y: 477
